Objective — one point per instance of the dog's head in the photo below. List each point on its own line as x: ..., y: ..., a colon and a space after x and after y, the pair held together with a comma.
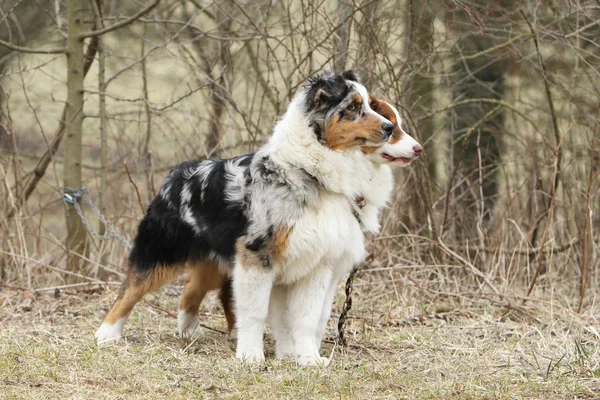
x: 337, y: 106
x: 401, y: 149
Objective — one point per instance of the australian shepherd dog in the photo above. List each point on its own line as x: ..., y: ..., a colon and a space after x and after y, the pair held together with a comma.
x: 286, y: 222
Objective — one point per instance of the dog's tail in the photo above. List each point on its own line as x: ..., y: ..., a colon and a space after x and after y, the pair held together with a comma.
x: 163, y: 239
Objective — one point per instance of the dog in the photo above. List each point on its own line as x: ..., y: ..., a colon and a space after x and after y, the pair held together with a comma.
x: 207, y: 199
x: 399, y: 151
x: 194, y: 223
x: 313, y: 191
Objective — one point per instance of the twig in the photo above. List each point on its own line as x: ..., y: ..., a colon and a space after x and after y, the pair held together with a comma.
x: 72, y: 285
x: 558, y: 152
x: 550, y: 103
x: 480, y: 100
x: 586, y: 251
x: 98, y: 11
x: 147, y: 154
x: 493, y: 49
x: 59, y: 50
x: 134, y: 186
x: 466, y: 263
x: 534, y: 251
x: 544, y: 235
x: 121, y: 24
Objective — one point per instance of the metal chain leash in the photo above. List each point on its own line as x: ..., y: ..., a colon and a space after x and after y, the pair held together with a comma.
x: 341, y: 339
x: 72, y: 196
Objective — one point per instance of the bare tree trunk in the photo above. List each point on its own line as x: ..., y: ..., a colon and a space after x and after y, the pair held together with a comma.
x: 218, y: 91
x: 478, y: 126
x: 76, y: 231
x: 419, y: 99
x: 39, y: 171
x: 146, y: 153
x: 98, y: 12
x: 341, y: 41
x: 367, y: 30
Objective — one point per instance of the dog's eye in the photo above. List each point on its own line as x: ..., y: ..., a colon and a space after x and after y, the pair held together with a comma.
x: 353, y: 107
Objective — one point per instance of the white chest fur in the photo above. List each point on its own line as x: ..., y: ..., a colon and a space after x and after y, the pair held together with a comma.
x: 323, y: 237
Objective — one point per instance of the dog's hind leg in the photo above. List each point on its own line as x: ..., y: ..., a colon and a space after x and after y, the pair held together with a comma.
x: 135, y: 286
x: 226, y: 297
x: 201, y: 278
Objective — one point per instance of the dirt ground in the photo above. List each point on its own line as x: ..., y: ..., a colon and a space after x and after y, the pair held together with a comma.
x: 399, y: 349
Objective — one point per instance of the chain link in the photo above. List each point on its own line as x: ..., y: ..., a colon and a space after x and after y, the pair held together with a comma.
x: 341, y: 338
x: 72, y: 196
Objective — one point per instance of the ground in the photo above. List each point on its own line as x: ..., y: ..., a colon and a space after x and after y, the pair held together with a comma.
x: 473, y: 349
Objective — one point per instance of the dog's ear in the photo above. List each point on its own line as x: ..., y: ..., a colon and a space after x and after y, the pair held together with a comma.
x: 321, y: 97
x: 351, y: 76
x: 323, y: 90
x: 373, y: 102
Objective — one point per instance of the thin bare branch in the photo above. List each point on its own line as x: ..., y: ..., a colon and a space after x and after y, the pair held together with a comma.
x: 120, y: 24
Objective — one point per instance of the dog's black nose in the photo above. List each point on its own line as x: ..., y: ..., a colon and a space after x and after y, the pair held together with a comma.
x: 387, y: 127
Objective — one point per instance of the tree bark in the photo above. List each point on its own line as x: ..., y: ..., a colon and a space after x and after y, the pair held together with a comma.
x: 217, y: 88
x: 341, y: 41
x: 76, y: 231
x: 476, y: 142
x: 419, y: 99
x: 367, y: 30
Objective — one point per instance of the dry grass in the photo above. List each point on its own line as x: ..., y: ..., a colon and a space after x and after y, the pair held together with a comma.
x: 399, y: 350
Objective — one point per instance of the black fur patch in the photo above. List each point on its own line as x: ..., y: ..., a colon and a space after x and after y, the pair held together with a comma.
x: 351, y: 76
x: 164, y: 238
x: 325, y: 91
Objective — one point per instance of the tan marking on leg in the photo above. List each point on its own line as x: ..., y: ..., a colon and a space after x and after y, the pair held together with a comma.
x: 226, y: 297
x: 201, y: 278
x: 135, y: 287
x: 272, y: 250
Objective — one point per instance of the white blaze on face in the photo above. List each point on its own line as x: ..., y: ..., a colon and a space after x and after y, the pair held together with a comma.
x: 365, y: 96
x: 403, y: 148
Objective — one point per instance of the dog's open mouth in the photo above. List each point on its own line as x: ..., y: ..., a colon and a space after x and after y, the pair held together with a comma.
x: 404, y: 160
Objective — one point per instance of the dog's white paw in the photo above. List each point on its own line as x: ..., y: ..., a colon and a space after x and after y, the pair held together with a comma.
x: 233, y: 335
x: 251, y: 356
x: 284, y: 348
x: 312, y: 361
x: 188, y: 326
x: 109, y: 333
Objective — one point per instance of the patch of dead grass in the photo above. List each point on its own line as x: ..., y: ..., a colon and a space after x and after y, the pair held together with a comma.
x: 47, y: 351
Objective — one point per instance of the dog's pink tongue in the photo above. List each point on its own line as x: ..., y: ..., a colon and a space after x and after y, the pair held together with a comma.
x: 394, y: 159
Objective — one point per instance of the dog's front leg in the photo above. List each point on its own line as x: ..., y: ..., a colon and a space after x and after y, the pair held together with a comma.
x: 252, y: 286
x: 279, y: 324
x: 341, y: 268
x: 305, y: 303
